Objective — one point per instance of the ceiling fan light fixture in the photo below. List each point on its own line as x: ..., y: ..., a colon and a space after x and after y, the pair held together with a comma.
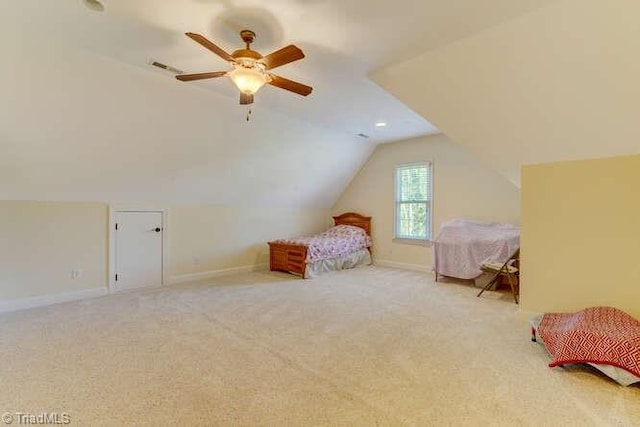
x: 248, y: 79
x: 251, y: 70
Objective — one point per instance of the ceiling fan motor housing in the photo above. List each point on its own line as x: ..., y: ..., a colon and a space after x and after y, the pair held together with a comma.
x: 246, y: 53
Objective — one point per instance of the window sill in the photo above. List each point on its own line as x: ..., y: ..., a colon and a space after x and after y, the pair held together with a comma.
x: 416, y: 242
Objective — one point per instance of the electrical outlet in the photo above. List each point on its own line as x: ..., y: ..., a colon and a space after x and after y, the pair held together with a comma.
x: 75, y: 273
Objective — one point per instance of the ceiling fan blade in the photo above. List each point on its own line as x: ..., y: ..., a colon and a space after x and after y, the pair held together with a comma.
x: 245, y: 99
x: 200, y: 76
x: 290, y: 85
x: 281, y: 57
x: 212, y: 47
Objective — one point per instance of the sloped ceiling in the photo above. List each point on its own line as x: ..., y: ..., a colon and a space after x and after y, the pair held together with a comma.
x: 89, y: 128
x: 84, y: 117
x: 559, y: 83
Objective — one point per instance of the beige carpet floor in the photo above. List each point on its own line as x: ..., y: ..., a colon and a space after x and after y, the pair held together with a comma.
x: 371, y: 346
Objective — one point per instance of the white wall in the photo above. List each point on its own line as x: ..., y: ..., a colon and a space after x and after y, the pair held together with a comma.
x: 225, y: 237
x: 463, y: 188
x: 42, y: 242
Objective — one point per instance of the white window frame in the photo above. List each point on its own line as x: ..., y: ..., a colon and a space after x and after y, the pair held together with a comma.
x: 426, y: 241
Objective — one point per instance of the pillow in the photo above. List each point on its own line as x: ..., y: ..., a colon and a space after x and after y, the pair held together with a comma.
x: 344, y: 230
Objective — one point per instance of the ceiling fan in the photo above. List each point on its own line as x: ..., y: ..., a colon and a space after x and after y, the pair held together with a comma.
x: 251, y: 69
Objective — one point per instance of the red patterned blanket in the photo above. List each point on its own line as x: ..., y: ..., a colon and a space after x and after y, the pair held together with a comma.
x: 603, y: 335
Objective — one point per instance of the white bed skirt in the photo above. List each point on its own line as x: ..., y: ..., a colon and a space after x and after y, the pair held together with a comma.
x: 361, y: 257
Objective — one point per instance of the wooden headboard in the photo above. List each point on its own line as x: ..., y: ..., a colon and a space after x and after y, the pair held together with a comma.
x: 355, y: 219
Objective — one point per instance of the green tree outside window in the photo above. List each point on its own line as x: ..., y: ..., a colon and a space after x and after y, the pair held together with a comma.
x: 413, y: 201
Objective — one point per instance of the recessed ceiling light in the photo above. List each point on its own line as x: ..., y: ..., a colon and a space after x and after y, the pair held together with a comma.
x: 94, y: 5
x: 381, y: 124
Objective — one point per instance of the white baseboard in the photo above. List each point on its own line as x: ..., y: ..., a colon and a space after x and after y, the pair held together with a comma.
x: 402, y: 265
x: 39, y: 301
x: 204, y: 275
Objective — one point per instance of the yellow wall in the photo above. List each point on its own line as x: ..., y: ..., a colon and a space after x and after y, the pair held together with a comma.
x: 42, y: 242
x: 463, y: 188
x: 225, y: 237
x: 581, y: 235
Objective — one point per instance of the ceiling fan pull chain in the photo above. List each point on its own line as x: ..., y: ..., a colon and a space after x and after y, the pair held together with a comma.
x: 249, y: 113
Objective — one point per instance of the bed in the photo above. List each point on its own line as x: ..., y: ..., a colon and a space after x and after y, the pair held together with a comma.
x: 604, y: 337
x: 345, y: 245
x: 462, y: 246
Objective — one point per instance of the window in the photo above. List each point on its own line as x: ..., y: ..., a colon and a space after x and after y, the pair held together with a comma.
x: 414, y: 201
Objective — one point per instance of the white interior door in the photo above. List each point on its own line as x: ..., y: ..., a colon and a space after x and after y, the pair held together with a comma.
x: 138, y: 252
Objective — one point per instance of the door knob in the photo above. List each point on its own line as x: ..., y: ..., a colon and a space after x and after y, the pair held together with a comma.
x: 157, y: 229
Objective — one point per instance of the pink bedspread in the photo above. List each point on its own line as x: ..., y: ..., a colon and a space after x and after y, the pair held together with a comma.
x: 335, y: 242
x: 603, y: 335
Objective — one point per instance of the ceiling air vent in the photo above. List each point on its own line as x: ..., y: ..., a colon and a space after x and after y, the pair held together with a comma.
x: 362, y: 135
x: 166, y: 67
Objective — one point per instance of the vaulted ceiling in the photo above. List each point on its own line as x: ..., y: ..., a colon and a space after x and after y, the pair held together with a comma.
x: 559, y: 83
x: 85, y: 117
